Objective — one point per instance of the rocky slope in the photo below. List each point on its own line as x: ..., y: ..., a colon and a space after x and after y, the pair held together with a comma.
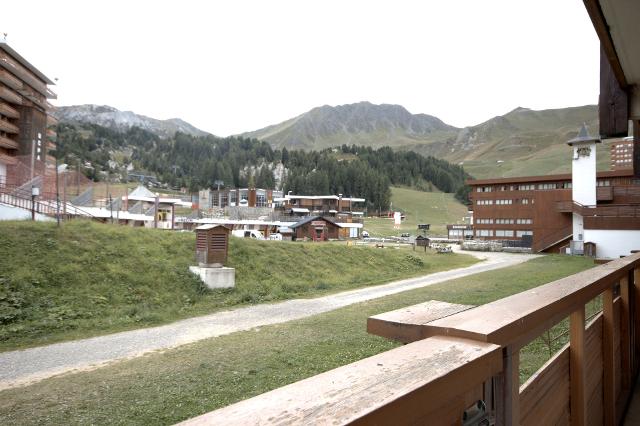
x: 115, y: 119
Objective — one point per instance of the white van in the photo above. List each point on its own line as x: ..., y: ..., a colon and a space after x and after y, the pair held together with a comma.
x: 247, y: 233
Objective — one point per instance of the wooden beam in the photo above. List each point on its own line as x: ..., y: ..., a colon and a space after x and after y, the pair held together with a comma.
x: 608, y: 359
x: 625, y: 333
x: 406, y: 324
x: 636, y: 318
x: 602, y: 29
x: 577, y: 367
x: 636, y: 148
x: 425, y: 382
x: 613, y: 105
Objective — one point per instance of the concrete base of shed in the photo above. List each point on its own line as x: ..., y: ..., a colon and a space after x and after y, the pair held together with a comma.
x: 216, y: 277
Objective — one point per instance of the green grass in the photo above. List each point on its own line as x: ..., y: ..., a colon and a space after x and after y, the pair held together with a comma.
x: 86, y: 279
x: 167, y: 387
x: 435, y: 208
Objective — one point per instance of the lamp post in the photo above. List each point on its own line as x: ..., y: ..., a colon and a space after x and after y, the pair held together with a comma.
x: 35, y: 191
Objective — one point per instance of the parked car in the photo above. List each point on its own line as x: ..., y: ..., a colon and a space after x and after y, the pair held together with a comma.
x: 248, y: 233
x: 276, y: 237
x: 365, y: 234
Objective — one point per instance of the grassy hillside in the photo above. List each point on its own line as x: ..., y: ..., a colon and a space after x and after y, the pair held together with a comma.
x: 87, y: 279
x: 167, y: 387
x: 435, y: 208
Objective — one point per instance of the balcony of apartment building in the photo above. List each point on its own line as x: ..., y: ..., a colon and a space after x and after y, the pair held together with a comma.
x: 461, y: 366
x: 21, y: 70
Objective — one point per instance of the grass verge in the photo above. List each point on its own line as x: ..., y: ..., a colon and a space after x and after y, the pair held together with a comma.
x: 86, y: 279
x: 435, y: 208
x: 168, y: 387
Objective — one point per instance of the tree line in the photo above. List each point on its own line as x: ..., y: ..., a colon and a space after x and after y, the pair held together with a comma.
x: 199, y: 162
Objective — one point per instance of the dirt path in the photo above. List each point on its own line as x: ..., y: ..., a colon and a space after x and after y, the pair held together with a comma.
x: 30, y: 365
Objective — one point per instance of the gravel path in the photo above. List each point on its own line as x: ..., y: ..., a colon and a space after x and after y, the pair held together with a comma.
x: 30, y: 365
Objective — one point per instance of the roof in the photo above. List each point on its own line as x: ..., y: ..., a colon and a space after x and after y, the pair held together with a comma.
x: 311, y: 219
x: 141, y: 191
x: 583, y: 137
x: 319, y: 197
x: 211, y: 226
x: 547, y: 178
x: 4, y: 46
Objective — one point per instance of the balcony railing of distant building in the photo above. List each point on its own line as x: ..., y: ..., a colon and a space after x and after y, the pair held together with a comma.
x: 613, y: 210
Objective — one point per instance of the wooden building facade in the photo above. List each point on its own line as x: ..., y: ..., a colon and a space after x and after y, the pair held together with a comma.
x: 24, y: 113
x: 315, y: 228
x: 541, y: 206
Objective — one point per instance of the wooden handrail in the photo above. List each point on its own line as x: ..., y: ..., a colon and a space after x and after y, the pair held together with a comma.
x: 431, y: 381
x: 517, y: 319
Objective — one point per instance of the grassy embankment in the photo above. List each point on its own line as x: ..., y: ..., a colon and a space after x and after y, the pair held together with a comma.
x: 435, y: 208
x: 168, y: 387
x: 87, y: 279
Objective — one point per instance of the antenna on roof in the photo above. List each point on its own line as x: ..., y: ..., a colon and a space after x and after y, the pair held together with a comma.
x: 5, y: 36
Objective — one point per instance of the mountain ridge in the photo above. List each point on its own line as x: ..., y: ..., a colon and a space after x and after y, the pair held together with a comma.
x: 115, y: 119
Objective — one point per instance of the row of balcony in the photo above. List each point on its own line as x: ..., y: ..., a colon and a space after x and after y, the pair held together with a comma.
x: 8, y: 143
x: 10, y: 96
x: 22, y: 73
x: 7, y: 127
x: 8, y: 112
x: 614, y: 210
x: 10, y: 80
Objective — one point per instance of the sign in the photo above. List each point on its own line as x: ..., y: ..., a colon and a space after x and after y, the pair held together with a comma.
x: 424, y: 226
x: 317, y: 223
x: 397, y: 220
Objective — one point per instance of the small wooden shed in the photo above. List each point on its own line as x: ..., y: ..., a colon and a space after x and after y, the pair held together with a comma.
x: 212, y: 245
x: 422, y: 241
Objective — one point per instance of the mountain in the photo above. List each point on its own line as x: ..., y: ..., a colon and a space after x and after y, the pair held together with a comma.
x: 355, y: 124
x: 521, y: 142
x: 115, y: 119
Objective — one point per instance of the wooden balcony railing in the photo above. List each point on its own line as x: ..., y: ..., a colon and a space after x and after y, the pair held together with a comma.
x: 8, y: 143
x: 474, y: 355
x: 9, y: 79
x: 10, y: 96
x: 7, y: 111
x: 613, y: 210
x: 7, y: 127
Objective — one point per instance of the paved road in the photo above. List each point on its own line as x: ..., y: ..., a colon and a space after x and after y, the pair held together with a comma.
x: 30, y: 365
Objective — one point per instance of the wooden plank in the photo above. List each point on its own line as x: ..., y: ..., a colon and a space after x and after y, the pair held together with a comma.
x: 544, y: 398
x: 518, y: 319
x: 401, y: 386
x: 593, y: 337
x: 625, y: 334
x: 405, y: 324
x: 636, y: 319
x: 511, y: 391
x: 577, y: 356
x: 608, y: 349
x: 613, y: 107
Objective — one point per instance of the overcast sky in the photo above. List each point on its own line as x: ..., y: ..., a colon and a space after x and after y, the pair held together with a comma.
x: 234, y: 66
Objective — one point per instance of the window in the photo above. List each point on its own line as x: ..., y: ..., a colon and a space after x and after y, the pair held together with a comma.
x: 233, y: 197
x: 224, y: 199
x: 524, y: 221
x: 547, y: 186
x: 527, y: 187
x: 484, y: 233
x: 503, y: 202
x: 504, y: 233
x: 455, y: 232
x: 484, y: 189
x: 522, y: 233
x: 603, y: 183
x: 484, y: 221
x: 484, y: 202
x: 505, y: 221
x: 567, y: 185
x: 525, y: 201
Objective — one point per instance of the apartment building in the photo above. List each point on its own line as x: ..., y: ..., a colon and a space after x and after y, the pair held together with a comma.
x: 541, y: 206
x: 238, y: 197
x: 25, y: 120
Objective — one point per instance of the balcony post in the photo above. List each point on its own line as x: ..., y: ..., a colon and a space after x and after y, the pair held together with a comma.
x: 608, y: 359
x: 508, y: 398
x: 625, y: 333
x: 577, y: 367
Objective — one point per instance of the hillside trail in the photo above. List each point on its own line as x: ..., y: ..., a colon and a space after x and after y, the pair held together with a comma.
x: 23, y: 367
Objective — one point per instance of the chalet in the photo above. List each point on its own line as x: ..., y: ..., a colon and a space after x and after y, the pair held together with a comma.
x: 234, y: 197
x: 325, y: 205
x: 315, y: 228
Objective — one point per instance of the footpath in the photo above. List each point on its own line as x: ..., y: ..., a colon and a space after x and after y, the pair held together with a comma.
x: 30, y: 365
